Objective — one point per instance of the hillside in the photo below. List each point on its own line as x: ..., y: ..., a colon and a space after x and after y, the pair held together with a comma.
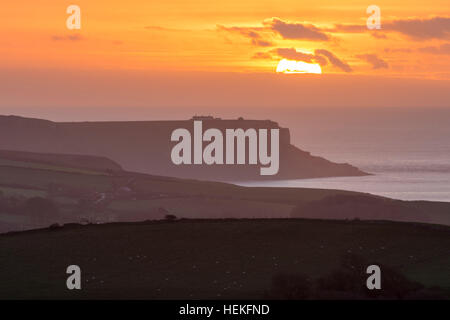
x: 221, y: 259
x: 87, y: 195
x: 233, y: 252
x: 145, y: 146
x: 61, y: 160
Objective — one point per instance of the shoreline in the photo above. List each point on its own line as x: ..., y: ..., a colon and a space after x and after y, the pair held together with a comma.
x: 405, y: 186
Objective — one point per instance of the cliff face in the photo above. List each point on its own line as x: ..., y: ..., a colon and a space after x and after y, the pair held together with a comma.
x: 145, y: 146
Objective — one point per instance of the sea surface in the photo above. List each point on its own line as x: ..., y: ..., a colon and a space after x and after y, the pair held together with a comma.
x: 407, y: 152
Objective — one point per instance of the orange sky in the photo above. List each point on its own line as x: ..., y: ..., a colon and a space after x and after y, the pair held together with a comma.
x: 185, y: 37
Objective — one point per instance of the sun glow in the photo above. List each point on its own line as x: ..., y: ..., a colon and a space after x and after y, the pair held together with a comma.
x: 291, y: 66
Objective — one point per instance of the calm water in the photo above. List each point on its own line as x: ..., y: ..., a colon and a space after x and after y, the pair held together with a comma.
x: 408, y: 152
x: 405, y: 186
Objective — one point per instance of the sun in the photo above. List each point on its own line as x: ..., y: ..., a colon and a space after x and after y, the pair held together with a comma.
x: 292, y: 66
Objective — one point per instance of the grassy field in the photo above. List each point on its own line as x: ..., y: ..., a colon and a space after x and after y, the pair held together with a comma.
x: 40, y: 179
x: 82, y: 194
x: 224, y: 190
x: 73, y: 162
x: 44, y: 166
x: 32, y: 175
x: 210, y: 259
x: 22, y: 192
x: 205, y: 208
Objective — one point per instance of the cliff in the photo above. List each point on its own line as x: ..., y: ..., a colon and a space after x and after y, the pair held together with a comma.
x: 145, y: 146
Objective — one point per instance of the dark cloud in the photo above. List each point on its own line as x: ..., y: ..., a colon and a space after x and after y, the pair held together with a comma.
x: 320, y: 56
x: 320, y: 60
x: 261, y: 43
x: 293, y: 54
x: 251, y: 33
x: 416, y: 29
x: 72, y: 37
x: 419, y: 29
x: 374, y: 60
x: 334, y: 60
x: 404, y: 50
x: 442, y: 49
x: 262, y: 55
x: 295, y: 30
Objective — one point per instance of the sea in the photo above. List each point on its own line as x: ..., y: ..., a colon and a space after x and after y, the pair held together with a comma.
x: 406, y: 149
x: 407, y: 152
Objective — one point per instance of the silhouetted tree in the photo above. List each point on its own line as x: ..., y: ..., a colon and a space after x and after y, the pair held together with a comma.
x: 170, y: 217
x: 348, y: 281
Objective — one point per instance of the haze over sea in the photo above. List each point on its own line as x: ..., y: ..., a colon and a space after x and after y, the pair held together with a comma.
x: 407, y: 151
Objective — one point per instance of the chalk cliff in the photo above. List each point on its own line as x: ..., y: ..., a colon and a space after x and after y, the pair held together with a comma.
x: 145, y: 146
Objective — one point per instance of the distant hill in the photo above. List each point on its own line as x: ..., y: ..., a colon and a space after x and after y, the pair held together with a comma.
x: 369, y: 207
x: 145, y: 146
x: 96, y: 195
x: 63, y: 160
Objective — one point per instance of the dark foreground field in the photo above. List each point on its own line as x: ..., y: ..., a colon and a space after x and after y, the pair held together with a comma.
x: 194, y: 259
